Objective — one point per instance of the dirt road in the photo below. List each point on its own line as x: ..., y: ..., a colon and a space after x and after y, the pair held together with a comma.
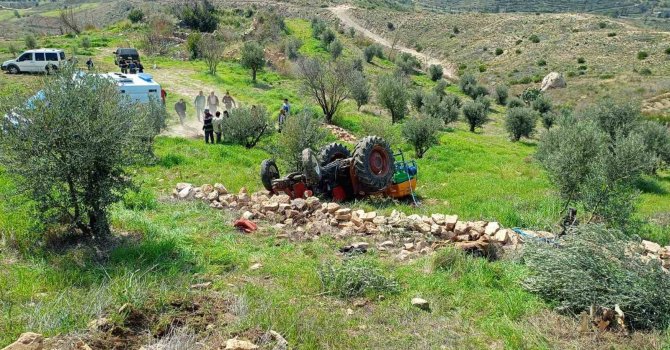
x: 342, y: 13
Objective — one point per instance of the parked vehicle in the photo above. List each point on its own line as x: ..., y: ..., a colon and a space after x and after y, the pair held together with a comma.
x: 138, y: 87
x: 126, y: 54
x: 36, y: 61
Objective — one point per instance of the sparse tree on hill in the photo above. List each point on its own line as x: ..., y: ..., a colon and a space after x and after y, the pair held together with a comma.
x: 75, y: 174
x: 328, y: 83
x: 520, y: 122
x: 210, y: 48
x: 157, y: 39
x: 198, y: 15
x: 421, y: 132
x: 435, y: 72
x: 542, y: 104
x: 416, y: 99
x: 359, y: 89
x: 476, y: 114
x: 68, y: 18
x: 407, y: 63
x: 441, y: 87
x: 30, y: 42
x: 392, y: 94
x: 253, y: 57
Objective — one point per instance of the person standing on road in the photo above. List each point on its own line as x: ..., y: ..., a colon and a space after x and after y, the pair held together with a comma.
x: 217, y: 123
x: 180, y: 108
x: 228, y: 101
x: 199, y: 103
x: 213, y: 102
x: 124, y: 66
x: 208, y: 127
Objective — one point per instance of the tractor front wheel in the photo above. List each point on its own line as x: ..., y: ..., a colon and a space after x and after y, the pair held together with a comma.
x: 373, y: 164
x: 269, y: 172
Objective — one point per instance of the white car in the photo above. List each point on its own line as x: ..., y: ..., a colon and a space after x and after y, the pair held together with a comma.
x: 36, y: 61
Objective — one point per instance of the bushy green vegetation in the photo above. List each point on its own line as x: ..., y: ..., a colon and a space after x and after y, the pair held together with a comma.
x: 246, y: 126
x: 421, y: 132
x: 356, y: 277
x: 520, y: 122
x: 300, y: 131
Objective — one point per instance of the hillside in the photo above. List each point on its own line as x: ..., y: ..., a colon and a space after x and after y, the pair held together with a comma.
x: 608, y: 50
x: 176, y: 274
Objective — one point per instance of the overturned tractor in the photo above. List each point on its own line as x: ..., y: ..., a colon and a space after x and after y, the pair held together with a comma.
x: 336, y: 173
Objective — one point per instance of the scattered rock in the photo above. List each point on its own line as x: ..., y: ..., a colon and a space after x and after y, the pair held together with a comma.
x: 255, y: 266
x: 491, y: 228
x: 553, y: 80
x: 27, y: 341
x: 421, y: 303
x: 201, y: 286
x: 461, y: 228
x: 651, y: 247
x: 450, y: 222
x: 236, y: 344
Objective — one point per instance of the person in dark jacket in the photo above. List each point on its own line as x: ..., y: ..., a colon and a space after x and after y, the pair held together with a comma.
x: 140, y: 67
x: 208, y: 127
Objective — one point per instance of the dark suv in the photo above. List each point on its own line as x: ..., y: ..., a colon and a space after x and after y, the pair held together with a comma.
x: 126, y: 54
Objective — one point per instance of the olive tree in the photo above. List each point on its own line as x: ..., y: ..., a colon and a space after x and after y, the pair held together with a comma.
x: 594, y: 168
x: 359, y: 89
x: 446, y: 108
x: 421, y: 132
x: 435, y: 72
x: 246, y: 126
x: 392, y: 94
x: 253, y: 57
x: 475, y: 114
x: 69, y: 149
x: 300, y: 131
x: 328, y: 83
x: 520, y: 122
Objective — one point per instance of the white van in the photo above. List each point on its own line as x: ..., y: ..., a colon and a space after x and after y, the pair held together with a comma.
x: 138, y: 87
x: 35, y: 61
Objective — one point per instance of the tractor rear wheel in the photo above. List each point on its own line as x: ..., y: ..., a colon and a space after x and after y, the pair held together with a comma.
x: 332, y: 152
x: 373, y: 163
x: 269, y: 172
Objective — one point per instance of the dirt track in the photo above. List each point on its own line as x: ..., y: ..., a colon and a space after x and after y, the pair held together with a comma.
x: 341, y: 12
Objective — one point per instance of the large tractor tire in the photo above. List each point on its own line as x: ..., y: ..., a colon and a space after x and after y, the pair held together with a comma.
x: 269, y: 172
x: 373, y: 164
x: 311, y: 167
x: 333, y: 152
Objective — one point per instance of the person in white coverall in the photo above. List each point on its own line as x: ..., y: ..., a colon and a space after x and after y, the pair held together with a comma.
x: 200, y: 101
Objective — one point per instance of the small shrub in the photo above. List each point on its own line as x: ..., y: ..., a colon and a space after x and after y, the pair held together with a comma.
x: 17, y: 14
x: 542, y: 104
x: 583, y: 68
x: 193, y: 44
x: 548, y: 120
x: 534, y: 39
x: 515, y: 102
x: 541, y: 63
x: 520, y: 122
x: 327, y: 37
x: 475, y: 114
x: 456, y: 30
x: 502, y: 93
x: 482, y: 68
x: 517, y: 51
x: 449, y: 259
x: 479, y: 91
x: 518, y: 41
x: 667, y: 51
x: 645, y: 72
x: 198, y: 15
x: 657, y: 142
x: 318, y: 27
x: 246, y: 126
x: 441, y: 87
x: 373, y: 51
x: 335, y: 49
x: 140, y: 200
x: 407, y: 63
x: 30, y: 41
x: 135, y: 15
x: 421, y: 132
x: 171, y: 160
x: 86, y: 42
x: 291, y: 48
x: 611, y: 34
x: 642, y: 55
x: 357, y: 64
x: 602, y: 25
x: 595, y: 266
x: 435, y: 72
x: 530, y: 94
x: 581, y: 60
x: 356, y: 277
x: 499, y: 51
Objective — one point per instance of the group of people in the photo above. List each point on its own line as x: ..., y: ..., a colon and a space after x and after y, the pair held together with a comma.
x: 131, y: 67
x: 207, y: 111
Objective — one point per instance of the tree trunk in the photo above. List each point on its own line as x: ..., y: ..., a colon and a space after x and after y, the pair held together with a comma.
x: 472, y: 128
x: 253, y: 75
x: 97, y: 221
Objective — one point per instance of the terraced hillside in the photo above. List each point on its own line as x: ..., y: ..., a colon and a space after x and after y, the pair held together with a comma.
x: 620, y: 7
x: 598, y: 55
